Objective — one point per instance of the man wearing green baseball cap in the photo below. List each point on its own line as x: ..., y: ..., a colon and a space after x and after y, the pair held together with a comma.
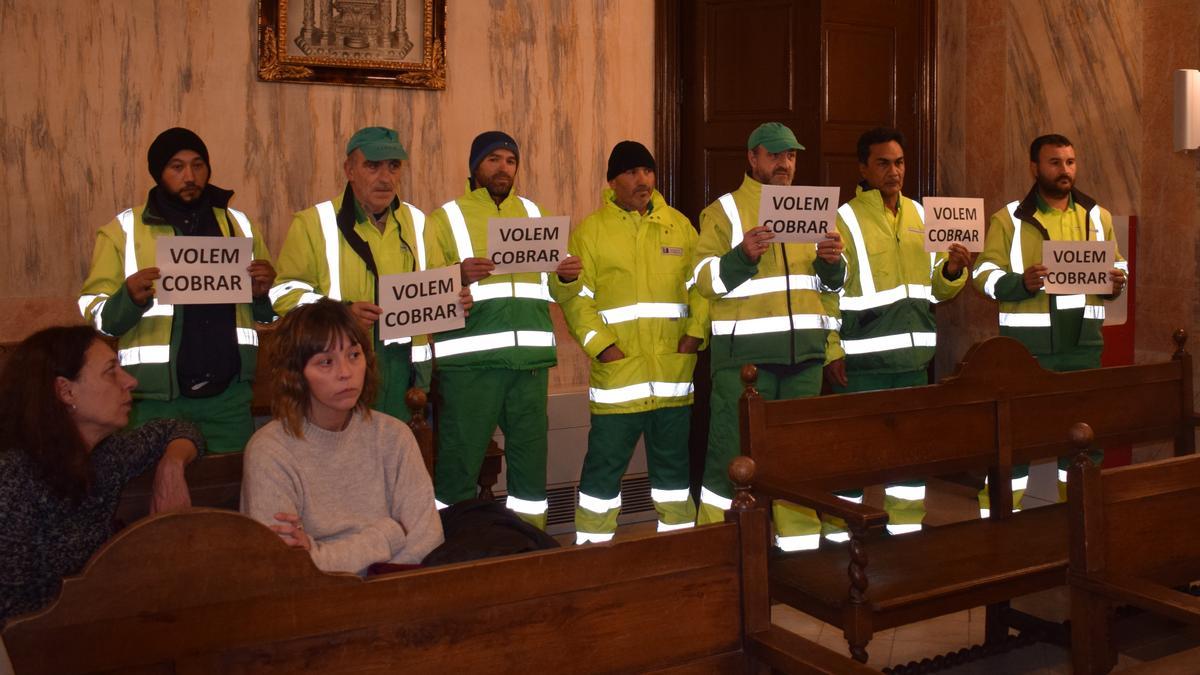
x: 339, y: 248
x: 768, y: 308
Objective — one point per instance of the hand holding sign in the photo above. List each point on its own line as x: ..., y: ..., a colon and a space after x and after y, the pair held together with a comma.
x: 527, y: 244
x: 1118, y: 281
x: 366, y: 313
x: 1034, y: 277
x: 958, y: 258
x: 569, y: 269
x: 797, y: 212
x: 755, y: 242
x: 262, y: 277
x: 476, y: 269
x: 140, y: 285
x: 830, y: 248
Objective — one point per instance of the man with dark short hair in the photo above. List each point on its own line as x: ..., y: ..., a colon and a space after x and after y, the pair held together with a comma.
x: 339, y: 249
x: 769, y: 308
x: 495, y: 371
x: 888, y: 334
x: 192, y: 362
x: 1062, y: 331
x: 641, y: 320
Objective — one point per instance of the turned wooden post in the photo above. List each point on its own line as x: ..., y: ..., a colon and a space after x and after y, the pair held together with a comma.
x: 416, y: 399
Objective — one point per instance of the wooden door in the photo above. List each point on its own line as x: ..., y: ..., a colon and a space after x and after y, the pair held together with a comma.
x: 874, y: 68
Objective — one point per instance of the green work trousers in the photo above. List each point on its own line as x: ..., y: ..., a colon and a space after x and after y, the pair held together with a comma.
x: 224, y: 420
x: 394, y: 363
x: 611, y: 442
x: 796, y: 526
x: 473, y: 402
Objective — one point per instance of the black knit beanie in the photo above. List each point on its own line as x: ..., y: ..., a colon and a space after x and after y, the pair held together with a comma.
x: 170, y: 142
x: 628, y: 155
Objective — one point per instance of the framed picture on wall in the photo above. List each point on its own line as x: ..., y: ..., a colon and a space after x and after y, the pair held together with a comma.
x: 376, y: 43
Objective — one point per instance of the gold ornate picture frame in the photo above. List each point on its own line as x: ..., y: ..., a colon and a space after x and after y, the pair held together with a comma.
x: 374, y: 43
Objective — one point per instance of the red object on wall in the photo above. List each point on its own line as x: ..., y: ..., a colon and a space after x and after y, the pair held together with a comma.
x: 1118, y: 340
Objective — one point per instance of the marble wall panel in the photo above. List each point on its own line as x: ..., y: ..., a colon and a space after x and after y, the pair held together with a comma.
x: 87, y: 86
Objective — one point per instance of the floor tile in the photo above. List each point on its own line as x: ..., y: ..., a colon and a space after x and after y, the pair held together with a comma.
x: 795, y: 621
x: 949, y: 628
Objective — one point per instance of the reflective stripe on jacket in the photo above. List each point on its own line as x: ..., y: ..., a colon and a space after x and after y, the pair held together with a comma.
x: 1044, y: 324
x: 636, y: 293
x: 770, y: 312
x: 509, y: 325
x: 149, y: 336
x: 891, y: 282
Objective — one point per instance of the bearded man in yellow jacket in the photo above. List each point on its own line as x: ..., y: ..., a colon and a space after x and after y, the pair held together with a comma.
x: 768, y: 308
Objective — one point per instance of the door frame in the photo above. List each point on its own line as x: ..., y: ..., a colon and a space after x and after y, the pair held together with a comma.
x: 668, y: 97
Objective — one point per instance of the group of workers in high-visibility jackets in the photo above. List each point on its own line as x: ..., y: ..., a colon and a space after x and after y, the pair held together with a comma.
x: 641, y: 291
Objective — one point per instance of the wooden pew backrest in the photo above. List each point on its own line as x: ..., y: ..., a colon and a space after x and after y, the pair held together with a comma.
x: 1139, y: 521
x: 212, y: 591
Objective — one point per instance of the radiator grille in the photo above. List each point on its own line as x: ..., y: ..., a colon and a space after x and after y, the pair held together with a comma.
x: 636, y: 504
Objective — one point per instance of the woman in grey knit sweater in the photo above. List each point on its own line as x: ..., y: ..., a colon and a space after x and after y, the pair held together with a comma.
x: 329, y: 475
x: 62, y: 466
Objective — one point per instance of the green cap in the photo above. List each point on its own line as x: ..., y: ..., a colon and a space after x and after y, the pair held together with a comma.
x: 377, y: 144
x: 774, y: 137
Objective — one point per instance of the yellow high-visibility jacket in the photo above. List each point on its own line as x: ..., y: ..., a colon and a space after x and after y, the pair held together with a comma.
x: 149, y: 336
x: 891, y: 283
x: 770, y: 312
x: 636, y: 293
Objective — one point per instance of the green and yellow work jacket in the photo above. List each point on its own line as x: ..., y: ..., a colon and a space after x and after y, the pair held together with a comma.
x: 319, y: 259
x: 891, y: 285
x: 1044, y: 324
x: 509, y: 325
x: 636, y: 292
x: 149, y: 336
x: 770, y: 312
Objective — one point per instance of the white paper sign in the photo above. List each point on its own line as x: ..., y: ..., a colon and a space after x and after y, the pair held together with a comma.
x: 1074, y: 267
x: 418, y: 303
x: 528, y: 244
x: 798, y: 212
x: 203, y: 270
x: 953, y: 220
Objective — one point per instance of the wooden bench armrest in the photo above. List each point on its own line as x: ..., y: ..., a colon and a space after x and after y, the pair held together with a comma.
x: 790, y: 653
x: 1141, y: 593
x: 855, y: 515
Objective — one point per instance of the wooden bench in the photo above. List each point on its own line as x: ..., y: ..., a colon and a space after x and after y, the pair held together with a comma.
x: 1133, y: 541
x: 998, y: 410
x: 210, y: 591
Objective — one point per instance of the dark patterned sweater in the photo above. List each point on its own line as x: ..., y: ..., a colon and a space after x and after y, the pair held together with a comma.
x: 44, y: 536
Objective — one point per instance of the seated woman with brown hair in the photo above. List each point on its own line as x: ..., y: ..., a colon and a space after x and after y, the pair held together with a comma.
x: 62, y: 466
x: 331, y: 476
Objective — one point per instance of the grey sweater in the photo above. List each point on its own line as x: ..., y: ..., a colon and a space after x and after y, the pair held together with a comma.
x: 362, y: 493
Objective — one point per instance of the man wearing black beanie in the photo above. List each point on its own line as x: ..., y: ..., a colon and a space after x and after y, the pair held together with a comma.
x: 641, y: 324
x: 495, y: 371
x: 192, y: 362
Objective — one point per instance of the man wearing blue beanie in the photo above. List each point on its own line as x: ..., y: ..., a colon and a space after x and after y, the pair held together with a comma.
x: 494, y: 371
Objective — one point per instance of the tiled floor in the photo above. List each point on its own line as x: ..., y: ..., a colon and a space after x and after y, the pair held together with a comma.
x: 1143, y: 638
